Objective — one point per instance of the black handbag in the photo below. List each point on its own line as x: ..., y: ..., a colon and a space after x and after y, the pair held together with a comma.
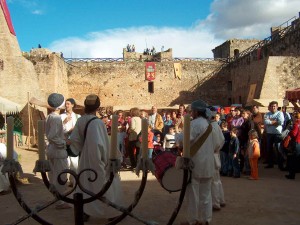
x: 70, y: 152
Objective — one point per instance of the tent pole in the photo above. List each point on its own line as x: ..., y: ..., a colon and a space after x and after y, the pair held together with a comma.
x: 33, y: 129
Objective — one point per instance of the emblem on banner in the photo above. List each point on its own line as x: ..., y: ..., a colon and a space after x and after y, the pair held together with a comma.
x: 150, y: 71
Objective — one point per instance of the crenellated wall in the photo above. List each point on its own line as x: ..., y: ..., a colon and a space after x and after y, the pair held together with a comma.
x: 232, y: 47
x: 263, y: 72
x: 51, y: 71
x: 123, y: 83
x: 253, y: 69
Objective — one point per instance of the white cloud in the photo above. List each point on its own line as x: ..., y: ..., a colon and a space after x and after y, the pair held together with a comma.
x: 189, y: 42
x: 228, y: 19
x: 249, y: 18
x: 34, y: 6
x: 37, y: 12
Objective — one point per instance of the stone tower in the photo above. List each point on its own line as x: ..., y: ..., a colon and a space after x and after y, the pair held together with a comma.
x: 17, y: 74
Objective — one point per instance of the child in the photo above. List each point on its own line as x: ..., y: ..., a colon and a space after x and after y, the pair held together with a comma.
x: 253, y: 153
x: 169, y: 143
x: 121, y: 143
x: 150, y: 142
x: 234, y: 166
x: 157, y: 145
x: 224, y: 150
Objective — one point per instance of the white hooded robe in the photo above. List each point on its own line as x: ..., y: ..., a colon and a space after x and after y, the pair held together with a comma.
x: 94, y: 154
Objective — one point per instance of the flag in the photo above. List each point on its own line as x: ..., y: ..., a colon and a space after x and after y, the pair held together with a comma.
x: 150, y: 71
x: 177, y: 70
x: 7, y: 16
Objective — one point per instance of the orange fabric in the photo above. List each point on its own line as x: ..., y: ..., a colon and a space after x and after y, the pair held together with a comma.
x: 254, y: 168
x: 150, y: 139
x: 256, y: 150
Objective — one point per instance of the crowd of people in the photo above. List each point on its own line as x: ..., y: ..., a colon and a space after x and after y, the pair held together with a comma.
x: 221, y: 145
x: 249, y: 135
x: 147, y: 51
x: 241, y: 149
x: 130, y: 48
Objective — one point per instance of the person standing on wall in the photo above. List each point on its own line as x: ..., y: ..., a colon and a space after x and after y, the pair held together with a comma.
x: 69, y: 119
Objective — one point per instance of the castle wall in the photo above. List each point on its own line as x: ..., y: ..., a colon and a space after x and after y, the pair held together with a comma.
x: 137, y: 56
x: 271, y: 76
x: 18, y: 76
x: 227, y: 49
x: 124, y: 83
x: 51, y: 71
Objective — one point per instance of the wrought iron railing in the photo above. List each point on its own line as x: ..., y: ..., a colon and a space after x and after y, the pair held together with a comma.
x: 153, y: 59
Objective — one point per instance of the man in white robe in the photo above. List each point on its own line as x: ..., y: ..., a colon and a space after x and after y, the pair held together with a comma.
x: 199, y: 209
x: 94, y: 154
x: 56, y: 148
x: 217, y: 191
x: 69, y: 119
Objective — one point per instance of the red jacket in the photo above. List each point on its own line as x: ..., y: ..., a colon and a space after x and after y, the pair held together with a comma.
x: 295, y: 132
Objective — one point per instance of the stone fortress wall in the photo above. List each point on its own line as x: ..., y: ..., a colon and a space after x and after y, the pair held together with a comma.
x: 249, y: 69
x: 232, y: 47
x: 124, y: 84
x: 18, y: 75
x: 272, y: 66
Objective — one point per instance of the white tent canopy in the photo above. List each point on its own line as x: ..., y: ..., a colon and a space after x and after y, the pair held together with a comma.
x: 8, y: 106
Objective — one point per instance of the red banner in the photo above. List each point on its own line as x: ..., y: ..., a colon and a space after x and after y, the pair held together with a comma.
x: 292, y: 95
x: 150, y: 71
x: 7, y: 16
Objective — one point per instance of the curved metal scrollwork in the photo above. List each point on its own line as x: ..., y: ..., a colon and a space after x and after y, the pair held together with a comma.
x: 23, y: 204
x: 79, y: 187
x: 77, y: 183
x: 138, y: 196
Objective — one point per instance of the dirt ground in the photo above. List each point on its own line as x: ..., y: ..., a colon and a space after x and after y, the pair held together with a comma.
x: 271, y: 200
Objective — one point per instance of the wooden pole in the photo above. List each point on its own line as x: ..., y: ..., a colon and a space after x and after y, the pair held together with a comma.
x: 33, y: 129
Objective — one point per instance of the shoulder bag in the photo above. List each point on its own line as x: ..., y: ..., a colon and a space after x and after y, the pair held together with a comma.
x: 69, y: 150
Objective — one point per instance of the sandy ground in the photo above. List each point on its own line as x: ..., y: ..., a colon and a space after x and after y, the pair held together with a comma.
x: 268, y: 201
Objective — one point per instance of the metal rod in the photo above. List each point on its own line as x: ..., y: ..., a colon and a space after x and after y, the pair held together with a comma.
x: 22, y: 203
x: 138, y: 195
x: 78, y: 208
x: 181, y: 197
x: 32, y: 213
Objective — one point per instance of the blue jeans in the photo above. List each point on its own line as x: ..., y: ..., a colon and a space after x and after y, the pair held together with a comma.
x: 297, y: 149
x: 247, y: 165
x: 273, y: 140
x: 293, y: 161
x: 150, y: 151
x: 224, y: 162
x: 234, y: 166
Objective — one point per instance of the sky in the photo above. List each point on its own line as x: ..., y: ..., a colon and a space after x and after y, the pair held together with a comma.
x: 102, y: 28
